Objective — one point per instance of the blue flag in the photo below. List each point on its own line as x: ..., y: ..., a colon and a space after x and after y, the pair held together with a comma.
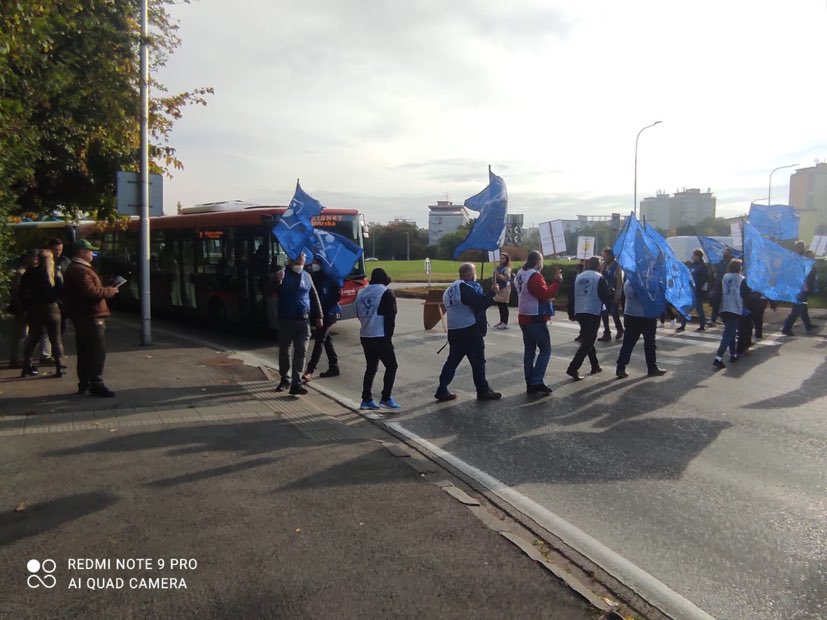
x: 629, y: 253
x: 488, y: 231
x: 773, y: 271
x: 649, y: 277
x: 294, y: 229
x: 775, y: 221
x: 336, y: 253
x: 714, y: 250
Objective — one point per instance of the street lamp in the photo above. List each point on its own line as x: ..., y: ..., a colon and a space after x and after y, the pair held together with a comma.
x: 636, y: 139
x: 754, y: 200
x: 407, y: 243
x: 769, y: 190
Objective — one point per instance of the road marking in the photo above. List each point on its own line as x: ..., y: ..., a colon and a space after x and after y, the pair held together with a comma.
x: 654, y: 591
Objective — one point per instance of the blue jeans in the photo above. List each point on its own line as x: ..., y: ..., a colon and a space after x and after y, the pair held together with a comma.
x: 730, y: 332
x: 536, y: 336
x: 798, y: 310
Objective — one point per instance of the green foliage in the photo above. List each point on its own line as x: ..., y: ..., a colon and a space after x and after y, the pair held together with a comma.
x: 70, y: 104
x: 391, y: 241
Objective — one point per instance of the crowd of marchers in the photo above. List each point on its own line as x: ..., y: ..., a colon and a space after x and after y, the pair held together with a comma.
x: 49, y: 288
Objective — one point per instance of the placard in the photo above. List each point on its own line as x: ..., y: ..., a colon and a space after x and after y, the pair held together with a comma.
x: 552, y: 238
x: 493, y: 256
x: 737, y: 235
x: 821, y: 250
x: 585, y: 247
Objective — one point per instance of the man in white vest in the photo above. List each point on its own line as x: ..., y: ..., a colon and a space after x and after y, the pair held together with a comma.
x: 586, y: 300
x: 376, y: 311
x: 643, y: 321
x: 465, y: 303
x: 535, y: 311
x: 732, y: 291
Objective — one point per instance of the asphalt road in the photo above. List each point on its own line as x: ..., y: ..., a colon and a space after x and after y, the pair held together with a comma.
x: 710, y: 483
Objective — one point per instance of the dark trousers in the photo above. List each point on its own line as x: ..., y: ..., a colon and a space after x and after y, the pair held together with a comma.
x: 378, y: 350
x: 293, y: 334
x: 798, y: 310
x: 18, y: 338
x: 757, y: 309
x: 700, y: 296
x: 589, y: 326
x: 503, y: 308
x: 91, y: 350
x: 466, y: 342
x: 637, y: 326
x: 743, y: 340
x: 612, y: 310
x: 324, y: 340
x: 42, y: 317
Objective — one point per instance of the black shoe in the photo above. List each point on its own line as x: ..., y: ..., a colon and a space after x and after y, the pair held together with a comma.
x: 579, y: 339
x: 681, y: 328
x: 811, y: 327
x: 295, y: 390
x: 59, y: 371
x: 733, y: 358
x: 541, y: 388
x: 101, y: 390
x: 606, y: 337
x: 719, y: 364
x: 621, y: 373
x: 46, y: 359
x: 83, y: 388
x: 574, y: 374
x: 787, y: 332
x: 596, y: 370
x: 656, y: 372
x: 283, y: 385
x: 619, y: 335
x: 444, y: 397
x: 28, y: 371
x: 489, y: 395
x: 330, y: 372
x: 701, y: 329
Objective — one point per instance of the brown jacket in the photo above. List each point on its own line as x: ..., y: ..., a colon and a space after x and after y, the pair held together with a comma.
x: 83, y: 294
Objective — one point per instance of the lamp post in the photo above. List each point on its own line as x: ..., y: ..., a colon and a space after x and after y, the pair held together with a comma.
x: 636, y: 140
x: 407, y: 243
x: 769, y: 190
x: 754, y: 200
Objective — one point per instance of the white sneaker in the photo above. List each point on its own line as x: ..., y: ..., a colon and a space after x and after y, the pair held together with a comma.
x: 497, y: 326
x: 504, y: 326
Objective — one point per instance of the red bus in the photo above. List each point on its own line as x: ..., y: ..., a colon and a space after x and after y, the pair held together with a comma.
x: 212, y: 261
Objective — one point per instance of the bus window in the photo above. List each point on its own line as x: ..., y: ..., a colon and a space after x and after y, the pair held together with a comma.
x: 211, y: 252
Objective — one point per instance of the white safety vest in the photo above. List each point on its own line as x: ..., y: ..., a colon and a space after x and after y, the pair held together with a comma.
x: 367, y: 306
x: 528, y: 304
x: 731, y: 294
x: 586, y: 299
x: 459, y: 315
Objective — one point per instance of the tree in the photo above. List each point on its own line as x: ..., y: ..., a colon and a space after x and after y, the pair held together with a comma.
x: 70, y: 104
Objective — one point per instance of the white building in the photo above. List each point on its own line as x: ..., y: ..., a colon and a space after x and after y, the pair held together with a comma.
x: 808, y: 195
x: 444, y: 218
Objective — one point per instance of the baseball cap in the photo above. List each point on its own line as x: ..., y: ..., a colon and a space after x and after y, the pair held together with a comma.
x: 83, y: 244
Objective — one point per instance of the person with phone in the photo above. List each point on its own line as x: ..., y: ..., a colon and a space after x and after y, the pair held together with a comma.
x: 85, y: 303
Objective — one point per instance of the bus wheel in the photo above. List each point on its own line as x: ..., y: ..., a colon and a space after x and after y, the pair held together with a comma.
x: 218, y: 314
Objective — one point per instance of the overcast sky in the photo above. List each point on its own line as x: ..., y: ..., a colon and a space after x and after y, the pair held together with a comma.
x: 390, y: 105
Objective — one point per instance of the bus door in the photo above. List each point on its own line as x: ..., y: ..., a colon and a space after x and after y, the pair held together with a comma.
x: 187, y: 243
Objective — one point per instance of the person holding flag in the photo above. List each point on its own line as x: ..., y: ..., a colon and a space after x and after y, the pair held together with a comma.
x: 800, y: 309
x: 465, y: 303
x: 640, y: 318
x: 329, y: 292
x: 297, y: 305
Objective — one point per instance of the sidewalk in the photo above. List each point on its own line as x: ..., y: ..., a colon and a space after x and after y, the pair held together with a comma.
x: 275, y: 506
